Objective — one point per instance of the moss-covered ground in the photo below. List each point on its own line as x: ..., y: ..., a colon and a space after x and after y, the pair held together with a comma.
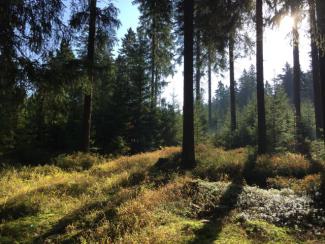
x: 230, y: 197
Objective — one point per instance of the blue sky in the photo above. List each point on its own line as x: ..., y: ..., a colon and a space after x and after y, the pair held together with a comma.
x: 128, y: 16
x: 277, y: 51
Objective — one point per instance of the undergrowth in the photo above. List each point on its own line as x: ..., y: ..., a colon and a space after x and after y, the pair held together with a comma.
x: 149, y: 198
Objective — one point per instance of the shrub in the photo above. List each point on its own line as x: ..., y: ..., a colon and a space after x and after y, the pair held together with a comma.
x: 317, y: 151
x: 217, y: 164
x: 77, y: 161
x: 320, y: 197
x: 288, y: 164
x: 309, y: 184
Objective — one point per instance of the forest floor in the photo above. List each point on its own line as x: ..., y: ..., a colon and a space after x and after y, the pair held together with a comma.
x: 230, y: 197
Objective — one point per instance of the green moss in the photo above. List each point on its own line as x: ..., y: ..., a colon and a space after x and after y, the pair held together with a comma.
x: 25, y: 230
x: 138, y: 199
x: 262, y: 232
x: 232, y: 234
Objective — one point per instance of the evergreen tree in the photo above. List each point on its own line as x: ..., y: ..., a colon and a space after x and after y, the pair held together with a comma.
x: 315, y: 67
x: 294, y: 8
x: 99, y: 24
x: 221, y: 104
x: 286, y: 80
x: 26, y: 29
x: 238, y: 10
x: 260, y: 78
x: 156, y: 24
x: 246, y: 87
x: 320, y: 9
x: 232, y: 86
x: 188, y: 154
x: 280, y: 121
x: 296, y: 69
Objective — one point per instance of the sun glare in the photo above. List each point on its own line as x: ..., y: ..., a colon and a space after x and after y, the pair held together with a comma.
x: 287, y: 22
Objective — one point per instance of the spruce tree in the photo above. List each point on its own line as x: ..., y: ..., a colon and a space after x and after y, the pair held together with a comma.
x: 28, y: 29
x: 315, y: 67
x: 98, y: 23
x: 156, y: 23
x: 188, y: 153
x: 320, y: 10
x: 260, y: 78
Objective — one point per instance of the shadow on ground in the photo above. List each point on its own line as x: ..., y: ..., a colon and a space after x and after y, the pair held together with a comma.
x: 213, y: 227
x: 161, y: 173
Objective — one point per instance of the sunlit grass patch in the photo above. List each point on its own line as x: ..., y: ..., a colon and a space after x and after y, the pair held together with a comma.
x: 149, y: 198
x: 259, y: 231
x: 77, y: 161
x: 65, y: 193
x: 218, y: 164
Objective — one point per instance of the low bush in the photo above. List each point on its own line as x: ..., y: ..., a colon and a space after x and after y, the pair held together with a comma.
x: 288, y: 165
x: 77, y: 161
x: 317, y: 151
x: 218, y: 164
x: 280, y: 207
x: 308, y: 185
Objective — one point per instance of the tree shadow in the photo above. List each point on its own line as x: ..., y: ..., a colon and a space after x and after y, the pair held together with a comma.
x: 105, y: 209
x: 22, y: 205
x: 228, y: 201
x: 161, y: 173
x: 165, y: 170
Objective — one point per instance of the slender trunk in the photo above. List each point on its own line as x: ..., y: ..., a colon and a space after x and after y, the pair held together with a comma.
x: 188, y: 154
x: 320, y: 9
x: 232, y: 86
x: 260, y: 78
x: 315, y: 68
x: 90, y: 60
x: 156, y: 87
x: 198, y: 68
x: 209, y: 90
x: 153, y: 63
x: 296, y: 76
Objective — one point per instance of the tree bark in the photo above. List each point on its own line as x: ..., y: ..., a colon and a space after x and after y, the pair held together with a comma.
x: 209, y: 91
x: 260, y: 78
x: 315, y: 68
x: 198, y: 68
x: 320, y: 9
x: 153, y: 63
x: 90, y: 63
x: 188, y: 154
x: 232, y: 86
x: 296, y: 76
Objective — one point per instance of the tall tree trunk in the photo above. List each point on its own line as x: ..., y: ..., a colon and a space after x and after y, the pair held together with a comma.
x: 296, y: 75
x: 156, y: 86
x: 153, y: 63
x: 232, y: 86
x: 198, y: 68
x: 188, y: 154
x: 321, y: 32
x: 209, y: 90
x: 315, y: 68
x: 90, y: 60
x: 260, y: 78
